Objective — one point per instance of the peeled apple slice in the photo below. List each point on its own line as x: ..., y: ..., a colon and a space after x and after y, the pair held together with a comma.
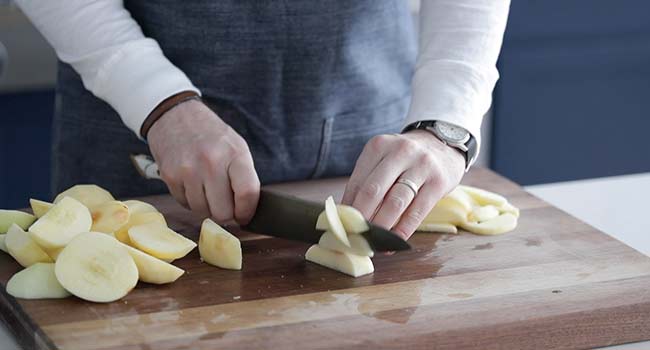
x: 109, y: 217
x: 137, y: 207
x: 53, y: 253
x: 10, y: 217
x: 509, y: 208
x: 358, y: 244
x: 437, y: 227
x: 153, y: 270
x: 480, y: 214
x: 39, y: 207
x: 3, y: 247
x: 219, y: 247
x: 160, y: 241
x: 60, y: 224
x: 483, y: 197
x: 352, y: 220
x: 89, y: 195
x: 122, y: 234
x: 350, y: 264
x: 22, y: 248
x: 96, y: 267
x: 501, y: 224
x: 460, y: 198
x: 36, y: 282
x: 447, y: 211
x: 334, y: 221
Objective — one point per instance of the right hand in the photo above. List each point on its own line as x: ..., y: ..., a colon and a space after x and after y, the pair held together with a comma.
x: 206, y: 165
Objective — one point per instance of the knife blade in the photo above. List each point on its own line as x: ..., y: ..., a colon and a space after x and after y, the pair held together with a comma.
x: 289, y: 217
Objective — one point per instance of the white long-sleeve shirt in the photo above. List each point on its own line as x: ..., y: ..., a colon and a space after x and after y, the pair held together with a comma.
x: 454, y: 77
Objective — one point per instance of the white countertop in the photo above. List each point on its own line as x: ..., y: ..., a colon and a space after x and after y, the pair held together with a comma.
x: 614, y: 205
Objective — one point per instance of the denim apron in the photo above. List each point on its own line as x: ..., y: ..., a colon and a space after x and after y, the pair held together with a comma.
x: 306, y: 83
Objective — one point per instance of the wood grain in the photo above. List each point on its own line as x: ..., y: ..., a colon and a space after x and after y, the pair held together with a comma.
x: 554, y: 283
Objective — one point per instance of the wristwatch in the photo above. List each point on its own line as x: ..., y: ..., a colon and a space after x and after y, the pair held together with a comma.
x: 451, y: 135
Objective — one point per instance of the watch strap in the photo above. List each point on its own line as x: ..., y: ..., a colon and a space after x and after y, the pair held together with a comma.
x: 164, y: 106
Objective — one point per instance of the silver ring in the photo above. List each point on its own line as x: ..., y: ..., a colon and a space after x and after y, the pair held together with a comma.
x: 410, y: 184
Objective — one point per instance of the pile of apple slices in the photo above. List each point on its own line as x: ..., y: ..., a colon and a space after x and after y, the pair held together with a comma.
x: 89, y: 245
x: 472, y: 209
x: 342, y: 247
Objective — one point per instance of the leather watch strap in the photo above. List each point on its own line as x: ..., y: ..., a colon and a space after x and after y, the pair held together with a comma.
x: 164, y: 106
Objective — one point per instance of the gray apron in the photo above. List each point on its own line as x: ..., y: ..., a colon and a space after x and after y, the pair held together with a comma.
x: 306, y: 83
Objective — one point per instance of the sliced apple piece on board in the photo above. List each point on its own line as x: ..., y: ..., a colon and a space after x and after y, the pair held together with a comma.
x: 219, y: 247
x: 485, y: 213
x: 501, y: 224
x: 461, y: 198
x: 137, y: 207
x: 483, y: 197
x: 151, y: 269
x: 39, y: 207
x: 122, y: 234
x: 334, y: 221
x: 22, y: 248
x: 53, y: 253
x: 89, y: 195
x: 10, y: 217
x: 60, y: 224
x: 3, y: 247
x: 447, y: 211
x: 509, y: 208
x: 437, y: 227
x: 358, y: 244
x: 160, y: 241
x: 36, y: 282
x: 109, y: 217
x: 96, y: 267
x: 352, y: 220
x: 350, y: 264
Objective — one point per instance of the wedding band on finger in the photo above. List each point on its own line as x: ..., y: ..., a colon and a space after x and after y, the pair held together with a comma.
x: 410, y: 184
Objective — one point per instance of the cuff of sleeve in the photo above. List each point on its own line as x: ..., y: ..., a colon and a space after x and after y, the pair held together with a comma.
x: 137, y: 79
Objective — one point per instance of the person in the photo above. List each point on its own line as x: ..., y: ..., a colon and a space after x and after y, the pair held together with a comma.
x: 233, y: 93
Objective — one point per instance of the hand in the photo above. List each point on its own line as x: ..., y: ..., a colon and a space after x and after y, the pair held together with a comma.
x: 418, y: 156
x: 206, y: 165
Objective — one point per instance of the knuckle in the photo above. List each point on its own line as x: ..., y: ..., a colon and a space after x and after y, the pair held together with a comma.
x: 413, y: 218
x: 370, y: 190
x: 378, y: 142
x: 395, y: 202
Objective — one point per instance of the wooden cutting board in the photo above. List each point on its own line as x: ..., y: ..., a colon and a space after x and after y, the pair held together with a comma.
x: 553, y: 283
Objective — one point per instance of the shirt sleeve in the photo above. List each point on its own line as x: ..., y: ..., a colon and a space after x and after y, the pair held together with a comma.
x: 455, y: 73
x: 106, y: 46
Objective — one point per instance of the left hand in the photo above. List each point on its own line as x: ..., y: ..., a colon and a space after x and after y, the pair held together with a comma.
x: 418, y: 156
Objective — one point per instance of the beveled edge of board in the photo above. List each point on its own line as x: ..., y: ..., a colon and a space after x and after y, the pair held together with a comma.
x: 25, y: 332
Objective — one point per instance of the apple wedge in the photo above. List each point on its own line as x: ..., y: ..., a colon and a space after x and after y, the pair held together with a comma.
x: 135, y: 219
x: 358, y: 244
x: 352, y: 220
x: 160, y: 241
x: 501, y: 224
x: 151, y: 269
x: 10, y: 217
x: 480, y: 214
x: 350, y: 264
x: 36, y: 282
x: 89, y: 195
x: 109, y: 217
x: 60, y: 224
x: 334, y: 221
x: 96, y: 267
x: 3, y: 247
x: 483, y: 197
x: 437, y: 227
x: 53, y: 253
x: 509, y: 208
x: 219, y: 247
x: 138, y: 207
x: 22, y: 248
x: 39, y: 207
x: 447, y: 211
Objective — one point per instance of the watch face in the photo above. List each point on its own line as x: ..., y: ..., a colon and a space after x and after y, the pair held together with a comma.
x: 452, y: 133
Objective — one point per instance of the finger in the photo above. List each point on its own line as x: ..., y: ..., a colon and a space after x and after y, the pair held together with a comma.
x: 178, y: 192
x: 368, y: 160
x: 246, y: 188
x: 219, y: 194
x: 195, y: 195
x: 427, y: 197
x: 375, y: 186
x: 398, y: 198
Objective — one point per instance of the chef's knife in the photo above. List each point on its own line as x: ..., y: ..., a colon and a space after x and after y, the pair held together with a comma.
x: 289, y: 217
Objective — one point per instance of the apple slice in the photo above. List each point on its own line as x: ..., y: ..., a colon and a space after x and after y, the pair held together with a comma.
x: 460, y: 198
x: 122, y: 234
x: 219, y: 247
x: 60, y: 224
x: 89, y: 195
x: 36, y: 282
x: 3, y: 247
x: 509, y: 208
x: 151, y: 269
x: 39, y: 207
x: 137, y: 207
x: 96, y: 267
x: 22, y: 248
x: 350, y: 264
x: 352, y: 220
x: 10, y: 217
x: 358, y: 244
x: 483, y: 197
x: 109, y: 217
x: 160, y: 241
x: 485, y: 213
x: 447, y: 211
x: 53, y: 253
x: 501, y: 224
x: 437, y: 227
x: 334, y: 221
